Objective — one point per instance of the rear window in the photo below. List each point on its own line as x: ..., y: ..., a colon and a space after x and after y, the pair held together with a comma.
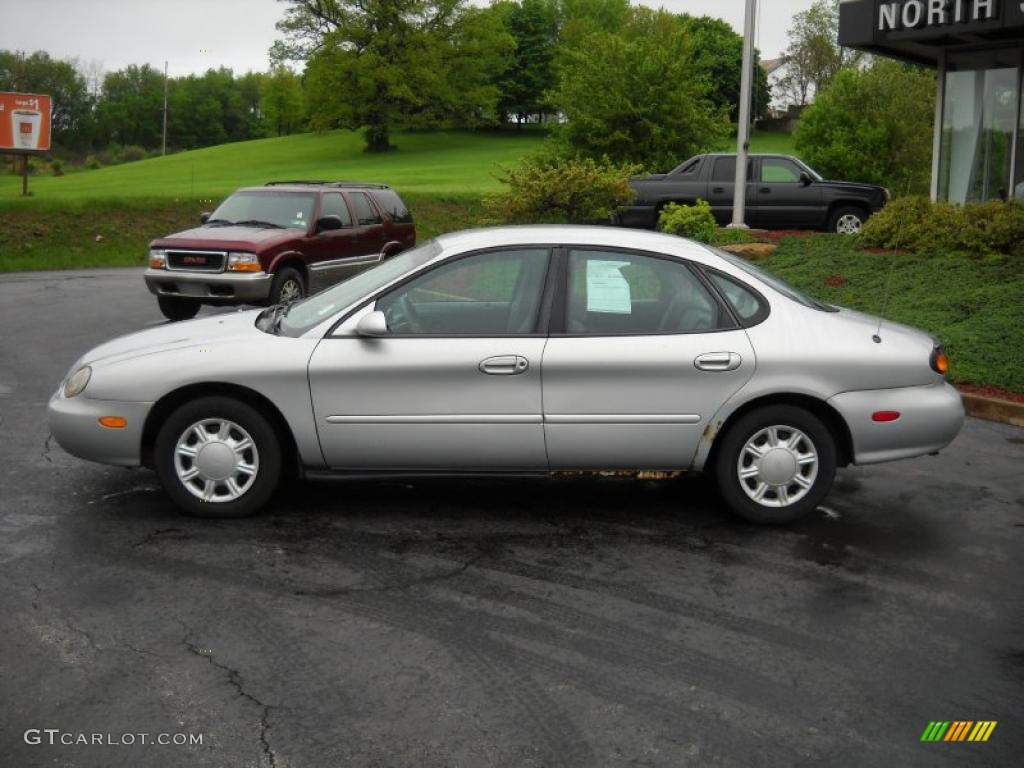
x: 392, y: 204
x: 365, y: 212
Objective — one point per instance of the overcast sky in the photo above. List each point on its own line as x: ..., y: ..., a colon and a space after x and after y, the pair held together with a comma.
x: 194, y: 35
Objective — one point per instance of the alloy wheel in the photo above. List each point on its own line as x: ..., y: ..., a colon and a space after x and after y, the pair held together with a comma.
x: 777, y: 466
x: 216, y: 460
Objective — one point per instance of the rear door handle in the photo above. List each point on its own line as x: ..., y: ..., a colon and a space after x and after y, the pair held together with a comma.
x: 717, y: 361
x: 718, y: 190
x: 504, y: 365
x: 765, y: 189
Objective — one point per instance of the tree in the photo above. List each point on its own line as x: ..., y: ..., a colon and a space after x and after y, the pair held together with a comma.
x: 384, y: 64
x: 72, y: 104
x: 282, y: 100
x: 524, y: 84
x: 873, y: 125
x: 130, y: 108
x: 813, y: 56
x: 641, y: 98
x: 718, y: 53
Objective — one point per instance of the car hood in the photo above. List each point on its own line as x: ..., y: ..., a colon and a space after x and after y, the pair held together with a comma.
x: 170, y: 336
x: 226, y: 238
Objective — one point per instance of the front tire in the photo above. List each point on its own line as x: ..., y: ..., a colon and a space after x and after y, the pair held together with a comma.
x: 288, y: 286
x: 218, y: 457
x: 847, y: 220
x: 175, y: 309
x: 776, y: 464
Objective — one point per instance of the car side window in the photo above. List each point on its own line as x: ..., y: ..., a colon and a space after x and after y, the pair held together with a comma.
x: 333, y: 204
x: 365, y: 212
x: 614, y: 293
x: 779, y: 169
x: 725, y: 169
x: 495, y: 293
x: 749, y: 307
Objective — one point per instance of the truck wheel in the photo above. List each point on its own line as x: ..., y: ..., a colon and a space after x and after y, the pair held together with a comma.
x: 776, y: 464
x: 847, y: 220
x: 288, y: 286
x: 218, y: 457
x: 177, y: 309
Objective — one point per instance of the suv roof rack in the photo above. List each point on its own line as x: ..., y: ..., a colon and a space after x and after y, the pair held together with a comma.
x: 344, y: 184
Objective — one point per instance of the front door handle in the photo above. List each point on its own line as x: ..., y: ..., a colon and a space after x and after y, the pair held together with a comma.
x: 718, y: 190
x: 765, y: 189
x: 717, y: 361
x: 504, y: 365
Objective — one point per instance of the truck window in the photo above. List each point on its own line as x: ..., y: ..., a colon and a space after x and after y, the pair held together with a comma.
x: 334, y: 205
x: 394, y: 206
x: 779, y: 169
x: 365, y: 212
x: 725, y: 169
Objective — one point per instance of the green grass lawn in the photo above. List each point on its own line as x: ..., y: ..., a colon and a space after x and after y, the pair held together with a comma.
x: 973, y: 306
x: 425, y: 163
x: 767, y: 142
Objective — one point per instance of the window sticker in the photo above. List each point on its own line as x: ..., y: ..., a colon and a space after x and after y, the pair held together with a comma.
x: 607, y: 289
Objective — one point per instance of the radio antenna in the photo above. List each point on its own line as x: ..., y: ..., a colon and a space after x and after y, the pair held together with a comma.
x: 877, y: 337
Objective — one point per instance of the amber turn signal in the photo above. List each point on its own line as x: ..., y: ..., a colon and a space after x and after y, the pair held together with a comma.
x: 113, y: 422
x: 244, y: 266
x: 939, y: 361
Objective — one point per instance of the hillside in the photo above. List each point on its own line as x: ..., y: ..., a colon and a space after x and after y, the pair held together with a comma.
x: 425, y: 163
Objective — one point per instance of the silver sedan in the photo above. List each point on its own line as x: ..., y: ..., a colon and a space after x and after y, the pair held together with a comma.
x: 518, y: 351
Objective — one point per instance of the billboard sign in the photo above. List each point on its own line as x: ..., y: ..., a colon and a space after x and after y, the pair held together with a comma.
x: 24, y: 122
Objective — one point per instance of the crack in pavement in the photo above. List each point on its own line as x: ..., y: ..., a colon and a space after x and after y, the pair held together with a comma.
x: 47, y: 447
x: 234, y: 679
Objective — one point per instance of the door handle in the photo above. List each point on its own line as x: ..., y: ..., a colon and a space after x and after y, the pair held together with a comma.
x: 504, y: 365
x: 765, y: 189
x: 718, y: 190
x: 717, y: 361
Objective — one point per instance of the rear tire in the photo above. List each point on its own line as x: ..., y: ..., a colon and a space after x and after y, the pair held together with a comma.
x: 175, y: 309
x: 218, y: 457
x: 847, y: 220
x: 288, y: 285
x: 776, y: 464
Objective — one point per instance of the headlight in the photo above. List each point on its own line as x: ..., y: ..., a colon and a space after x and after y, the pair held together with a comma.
x: 243, y: 262
x: 77, y: 381
x: 157, y: 258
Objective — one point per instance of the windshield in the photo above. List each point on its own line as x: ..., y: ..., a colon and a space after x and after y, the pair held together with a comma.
x: 781, y: 286
x: 276, y: 209
x: 307, y: 313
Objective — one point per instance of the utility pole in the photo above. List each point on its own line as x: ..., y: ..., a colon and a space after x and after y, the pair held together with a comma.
x: 163, y: 143
x: 739, y: 197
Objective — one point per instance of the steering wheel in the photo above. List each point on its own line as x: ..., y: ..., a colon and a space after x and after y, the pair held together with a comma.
x: 402, y: 316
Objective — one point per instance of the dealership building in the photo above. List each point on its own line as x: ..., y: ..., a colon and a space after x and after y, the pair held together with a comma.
x: 977, y: 48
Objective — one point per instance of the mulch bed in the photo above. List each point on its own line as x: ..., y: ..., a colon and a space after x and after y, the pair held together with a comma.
x: 997, y: 392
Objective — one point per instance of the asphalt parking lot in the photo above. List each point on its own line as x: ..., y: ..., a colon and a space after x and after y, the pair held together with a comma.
x: 487, y: 623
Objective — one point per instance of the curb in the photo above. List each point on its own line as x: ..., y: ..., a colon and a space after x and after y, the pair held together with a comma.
x: 993, y: 409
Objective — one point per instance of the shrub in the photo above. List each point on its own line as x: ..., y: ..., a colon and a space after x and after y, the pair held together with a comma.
x: 56, y: 167
x: 726, y: 236
x: 551, y: 190
x: 918, y: 224
x: 693, y: 221
x: 91, y: 161
x: 131, y: 153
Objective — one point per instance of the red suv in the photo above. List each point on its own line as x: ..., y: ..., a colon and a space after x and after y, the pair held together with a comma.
x: 277, y: 243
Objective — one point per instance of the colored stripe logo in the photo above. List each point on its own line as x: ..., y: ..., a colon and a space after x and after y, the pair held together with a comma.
x: 958, y: 730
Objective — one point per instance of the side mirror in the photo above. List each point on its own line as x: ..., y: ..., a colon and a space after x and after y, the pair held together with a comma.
x: 805, y: 178
x: 327, y: 223
x: 204, y: 217
x: 372, y: 324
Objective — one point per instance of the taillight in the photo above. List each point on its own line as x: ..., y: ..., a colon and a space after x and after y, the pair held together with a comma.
x: 939, y: 361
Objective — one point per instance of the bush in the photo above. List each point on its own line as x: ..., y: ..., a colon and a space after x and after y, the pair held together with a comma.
x: 872, y: 125
x: 917, y: 224
x: 551, y: 190
x: 56, y: 167
x: 91, y: 161
x: 131, y: 153
x: 693, y: 221
x: 727, y: 236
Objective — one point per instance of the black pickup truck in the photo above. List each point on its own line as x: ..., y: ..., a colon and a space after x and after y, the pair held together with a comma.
x: 782, y: 192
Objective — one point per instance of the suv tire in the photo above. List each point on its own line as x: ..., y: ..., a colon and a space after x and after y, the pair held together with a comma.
x: 175, y: 309
x: 218, y: 457
x: 847, y: 220
x: 288, y: 285
x: 775, y: 464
